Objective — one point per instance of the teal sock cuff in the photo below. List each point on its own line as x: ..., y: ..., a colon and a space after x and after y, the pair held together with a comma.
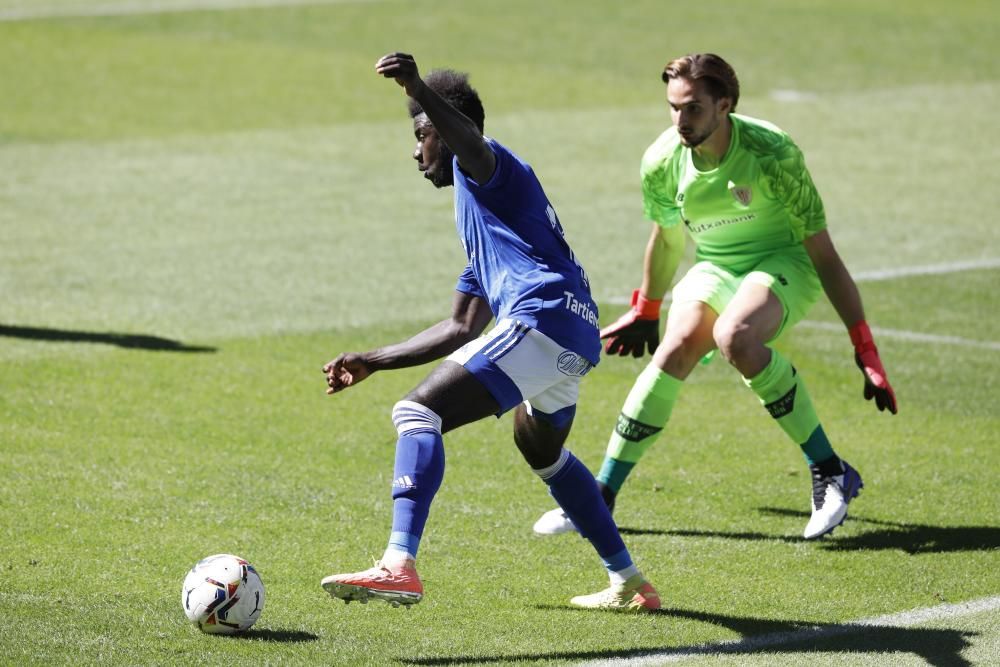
x: 817, y: 448
x: 614, y: 472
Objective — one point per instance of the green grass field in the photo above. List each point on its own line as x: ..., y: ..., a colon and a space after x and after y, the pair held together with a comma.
x: 198, y: 208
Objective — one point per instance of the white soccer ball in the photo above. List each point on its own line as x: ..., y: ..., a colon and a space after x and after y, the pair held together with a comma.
x: 223, y: 594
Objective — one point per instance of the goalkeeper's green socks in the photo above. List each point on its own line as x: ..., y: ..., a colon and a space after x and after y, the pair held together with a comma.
x: 647, y: 409
x: 643, y: 416
x: 783, y: 393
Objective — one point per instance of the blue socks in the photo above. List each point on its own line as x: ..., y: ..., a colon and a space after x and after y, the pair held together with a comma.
x: 417, y: 474
x: 574, y: 488
x: 419, y: 470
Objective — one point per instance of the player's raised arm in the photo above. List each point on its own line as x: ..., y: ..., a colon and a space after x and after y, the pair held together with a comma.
x: 470, y: 315
x: 458, y: 131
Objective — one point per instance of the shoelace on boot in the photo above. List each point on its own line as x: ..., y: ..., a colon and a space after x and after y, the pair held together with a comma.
x: 819, y: 486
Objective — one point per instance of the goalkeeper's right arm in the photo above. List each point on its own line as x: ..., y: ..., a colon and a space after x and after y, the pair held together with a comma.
x: 639, y: 328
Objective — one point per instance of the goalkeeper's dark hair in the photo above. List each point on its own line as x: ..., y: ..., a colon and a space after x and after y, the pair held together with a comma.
x: 454, y: 88
x: 718, y: 75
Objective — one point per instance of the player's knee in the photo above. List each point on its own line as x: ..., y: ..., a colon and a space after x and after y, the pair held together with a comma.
x: 678, y: 355
x: 412, y: 417
x: 734, y: 339
x: 539, y: 440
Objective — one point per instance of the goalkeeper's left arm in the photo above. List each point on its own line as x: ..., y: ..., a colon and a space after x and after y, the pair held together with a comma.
x: 843, y: 293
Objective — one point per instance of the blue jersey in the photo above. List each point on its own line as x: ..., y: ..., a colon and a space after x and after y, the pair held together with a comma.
x: 519, y: 261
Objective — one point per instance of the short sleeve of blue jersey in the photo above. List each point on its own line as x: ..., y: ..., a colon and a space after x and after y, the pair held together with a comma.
x: 502, y: 171
x: 468, y: 284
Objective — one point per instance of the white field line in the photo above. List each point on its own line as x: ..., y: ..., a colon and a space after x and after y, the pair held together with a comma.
x: 889, y: 274
x: 135, y: 7
x: 904, y: 619
x: 784, y: 95
x: 926, y: 270
x: 911, y: 336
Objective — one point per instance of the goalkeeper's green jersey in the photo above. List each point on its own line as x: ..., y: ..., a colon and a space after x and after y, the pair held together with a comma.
x: 758, y: 200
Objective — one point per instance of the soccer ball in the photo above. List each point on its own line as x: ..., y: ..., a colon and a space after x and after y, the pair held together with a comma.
x: 222, y: 594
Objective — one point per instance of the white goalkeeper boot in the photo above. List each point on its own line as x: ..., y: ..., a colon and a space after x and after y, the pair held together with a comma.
x: 830, y: 497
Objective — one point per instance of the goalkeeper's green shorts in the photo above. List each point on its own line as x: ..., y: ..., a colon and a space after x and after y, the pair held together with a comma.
x: 789, y: 274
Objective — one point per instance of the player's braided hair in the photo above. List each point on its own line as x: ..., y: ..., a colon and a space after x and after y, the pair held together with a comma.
x: 454, y: 88
x: 718, y: 75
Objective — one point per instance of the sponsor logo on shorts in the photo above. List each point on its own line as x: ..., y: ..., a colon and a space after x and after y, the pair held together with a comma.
x: 633, y: 430
x: 571, y: 363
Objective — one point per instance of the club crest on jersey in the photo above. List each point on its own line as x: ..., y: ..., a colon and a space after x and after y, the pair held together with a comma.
x: 741, y: 193
x: 550, y: 213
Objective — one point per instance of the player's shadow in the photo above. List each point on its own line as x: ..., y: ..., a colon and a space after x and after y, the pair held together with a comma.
x: 913, y: 538
x: 277, y: 635
x: 938, y: 647
x: 625, y: 530
x: 678, y: 532
x: 127, y: 341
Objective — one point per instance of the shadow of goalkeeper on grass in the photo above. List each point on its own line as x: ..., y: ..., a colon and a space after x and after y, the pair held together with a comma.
x: 912, y: 538
x: 938, y: 647
x: 123, y: 340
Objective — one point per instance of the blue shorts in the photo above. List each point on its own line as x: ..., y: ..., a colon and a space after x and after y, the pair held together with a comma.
x: 519, y: 364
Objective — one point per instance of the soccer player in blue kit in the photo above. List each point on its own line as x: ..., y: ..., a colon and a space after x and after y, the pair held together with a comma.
x: 522, y: 272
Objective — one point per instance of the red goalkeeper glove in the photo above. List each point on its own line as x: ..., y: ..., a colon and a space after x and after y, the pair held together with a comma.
x: 636, y: 329
x: 866, y: 356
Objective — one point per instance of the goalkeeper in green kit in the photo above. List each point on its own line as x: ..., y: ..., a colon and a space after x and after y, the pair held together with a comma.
x: 741, y: 188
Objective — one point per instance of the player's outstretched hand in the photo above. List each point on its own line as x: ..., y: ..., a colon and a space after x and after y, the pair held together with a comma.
x: 345, y: 371
x: 876, y: 381
x: 403, y: 68
x: 636, y: 330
